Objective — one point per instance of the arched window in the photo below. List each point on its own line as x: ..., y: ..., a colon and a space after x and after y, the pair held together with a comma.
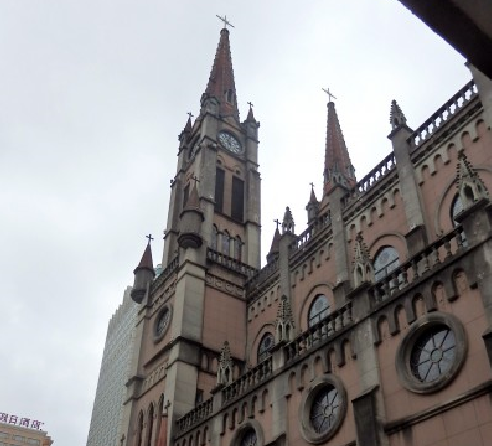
x: 248, y: 438
x: 266, y: 344
x: 160, y: 410
x: 150, y: 425
x: 226, y: 243
x: 213, y: 243
x: 318, y: 310
x: 140, y: 429
x: 237, y: 248
x: 456, y: 208
x: 386, y: 260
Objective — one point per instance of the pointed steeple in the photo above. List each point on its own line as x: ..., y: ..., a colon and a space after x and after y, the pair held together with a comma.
x: 312, y: 207
x: 221, y: 83
x: 143, y: 274
x: 275, y: 247
x: 338, y: 168
x: 397, y: 118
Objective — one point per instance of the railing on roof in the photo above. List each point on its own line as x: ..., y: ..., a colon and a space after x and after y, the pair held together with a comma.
x: 195, y: 415
x: 230, y: 263
x: 319, y: 332
x: 386, y: 166
x: 166, y: 272
x: 309, y: 233
x: 264, y: 273
x: 417, y: 266
x: 444, y: 114
x: 248, y: 380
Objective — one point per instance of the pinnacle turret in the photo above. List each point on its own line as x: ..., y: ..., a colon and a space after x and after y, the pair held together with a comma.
x: 275, y: 247
x: 397, y: 118
x: 144, y: 274
x: 288, y: 221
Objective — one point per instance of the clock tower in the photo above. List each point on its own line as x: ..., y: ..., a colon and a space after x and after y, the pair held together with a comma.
x: 196, y: 308
x: 218, y: 154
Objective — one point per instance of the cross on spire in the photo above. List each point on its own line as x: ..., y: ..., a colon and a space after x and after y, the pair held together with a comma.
x: 190, y: 115
x: 250, y: 105
x: 150, y: 238
x: 277, y: 221
x: 312, y: 186
x: 330, y: 95
x: 226, y: 22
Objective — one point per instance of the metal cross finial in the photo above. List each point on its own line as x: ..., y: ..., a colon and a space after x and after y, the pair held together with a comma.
x: 277, y: 221
x: 312, y: 186
x: 330, y: 96
x: 190, y: 115
x: 226, y: 22
x: 250, y: 105
x: 150, y: 238
x: 195, y: 179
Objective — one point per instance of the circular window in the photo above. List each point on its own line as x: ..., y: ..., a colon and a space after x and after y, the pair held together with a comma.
x: 432, y: 353
x: 162, y: 322
x: 322, y: 409
x: 249, y: 438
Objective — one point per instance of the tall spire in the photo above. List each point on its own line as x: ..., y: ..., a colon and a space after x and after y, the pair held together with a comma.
x: 221, y: 83
x: 338, y: 168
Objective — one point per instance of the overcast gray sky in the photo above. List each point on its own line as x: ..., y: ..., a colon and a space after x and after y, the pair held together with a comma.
x: 93, y: 94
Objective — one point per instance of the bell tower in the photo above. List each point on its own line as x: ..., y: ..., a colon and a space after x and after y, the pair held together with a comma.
x: 211, y: 247
x: 219, y: 153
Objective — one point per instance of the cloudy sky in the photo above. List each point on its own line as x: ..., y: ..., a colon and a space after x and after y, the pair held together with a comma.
x: 93, y: 95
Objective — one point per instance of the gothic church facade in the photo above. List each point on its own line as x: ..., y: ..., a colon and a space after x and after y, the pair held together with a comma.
x: 371, y: 327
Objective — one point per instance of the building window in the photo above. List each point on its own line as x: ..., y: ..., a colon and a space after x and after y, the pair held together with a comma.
x: 150, y: 425
x: 248, y: 438
x: 198, y: 397
x: 226, y: 243
x: 431, y: 353
x: 219, y: 189
x: 386, y: 261
x: 318, y: 310
x: 325, y: 410
x: 237, y: 199
x: 186, y: 194
x: 266, y: 344
x: 140, y: 429
x: 457, y: 208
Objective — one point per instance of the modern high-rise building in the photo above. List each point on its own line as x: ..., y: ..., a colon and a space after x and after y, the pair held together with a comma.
x: 110, y: 393
x: 373, y: 326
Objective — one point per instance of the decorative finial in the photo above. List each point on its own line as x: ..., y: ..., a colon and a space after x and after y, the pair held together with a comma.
x: 195, y: 179
x: 397, y: 118
x: 190, y: 115
x: 250, y: 105
x: 150, y: 238
x: 330, y: 95
x: 226, y: 22
x: 277, y: 221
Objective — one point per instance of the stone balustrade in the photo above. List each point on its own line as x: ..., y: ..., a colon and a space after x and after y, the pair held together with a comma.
x: 195, y: 415
x: 166, y: 273
x: 444, y: 114
x: 419, y: 265
x: 230, y: 263
x: 262, y: 275
x: 248, y: 381
x: 318, y: 333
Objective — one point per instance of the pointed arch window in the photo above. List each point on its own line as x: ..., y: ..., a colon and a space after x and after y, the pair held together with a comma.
x: 140, y: 429
x: 150, y: 425
x: 226, y: 243
x: 386, y: 261
x: 266, y: 344
x: 456, y: 208
x: 319, y: 309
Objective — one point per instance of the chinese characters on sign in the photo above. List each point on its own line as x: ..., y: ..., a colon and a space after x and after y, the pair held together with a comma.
x: 25, y: 422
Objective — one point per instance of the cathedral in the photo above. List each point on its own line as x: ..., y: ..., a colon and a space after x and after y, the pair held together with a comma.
x: 370, y: 327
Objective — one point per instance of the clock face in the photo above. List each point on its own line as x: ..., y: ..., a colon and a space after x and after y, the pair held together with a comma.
x: 229, y: 142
